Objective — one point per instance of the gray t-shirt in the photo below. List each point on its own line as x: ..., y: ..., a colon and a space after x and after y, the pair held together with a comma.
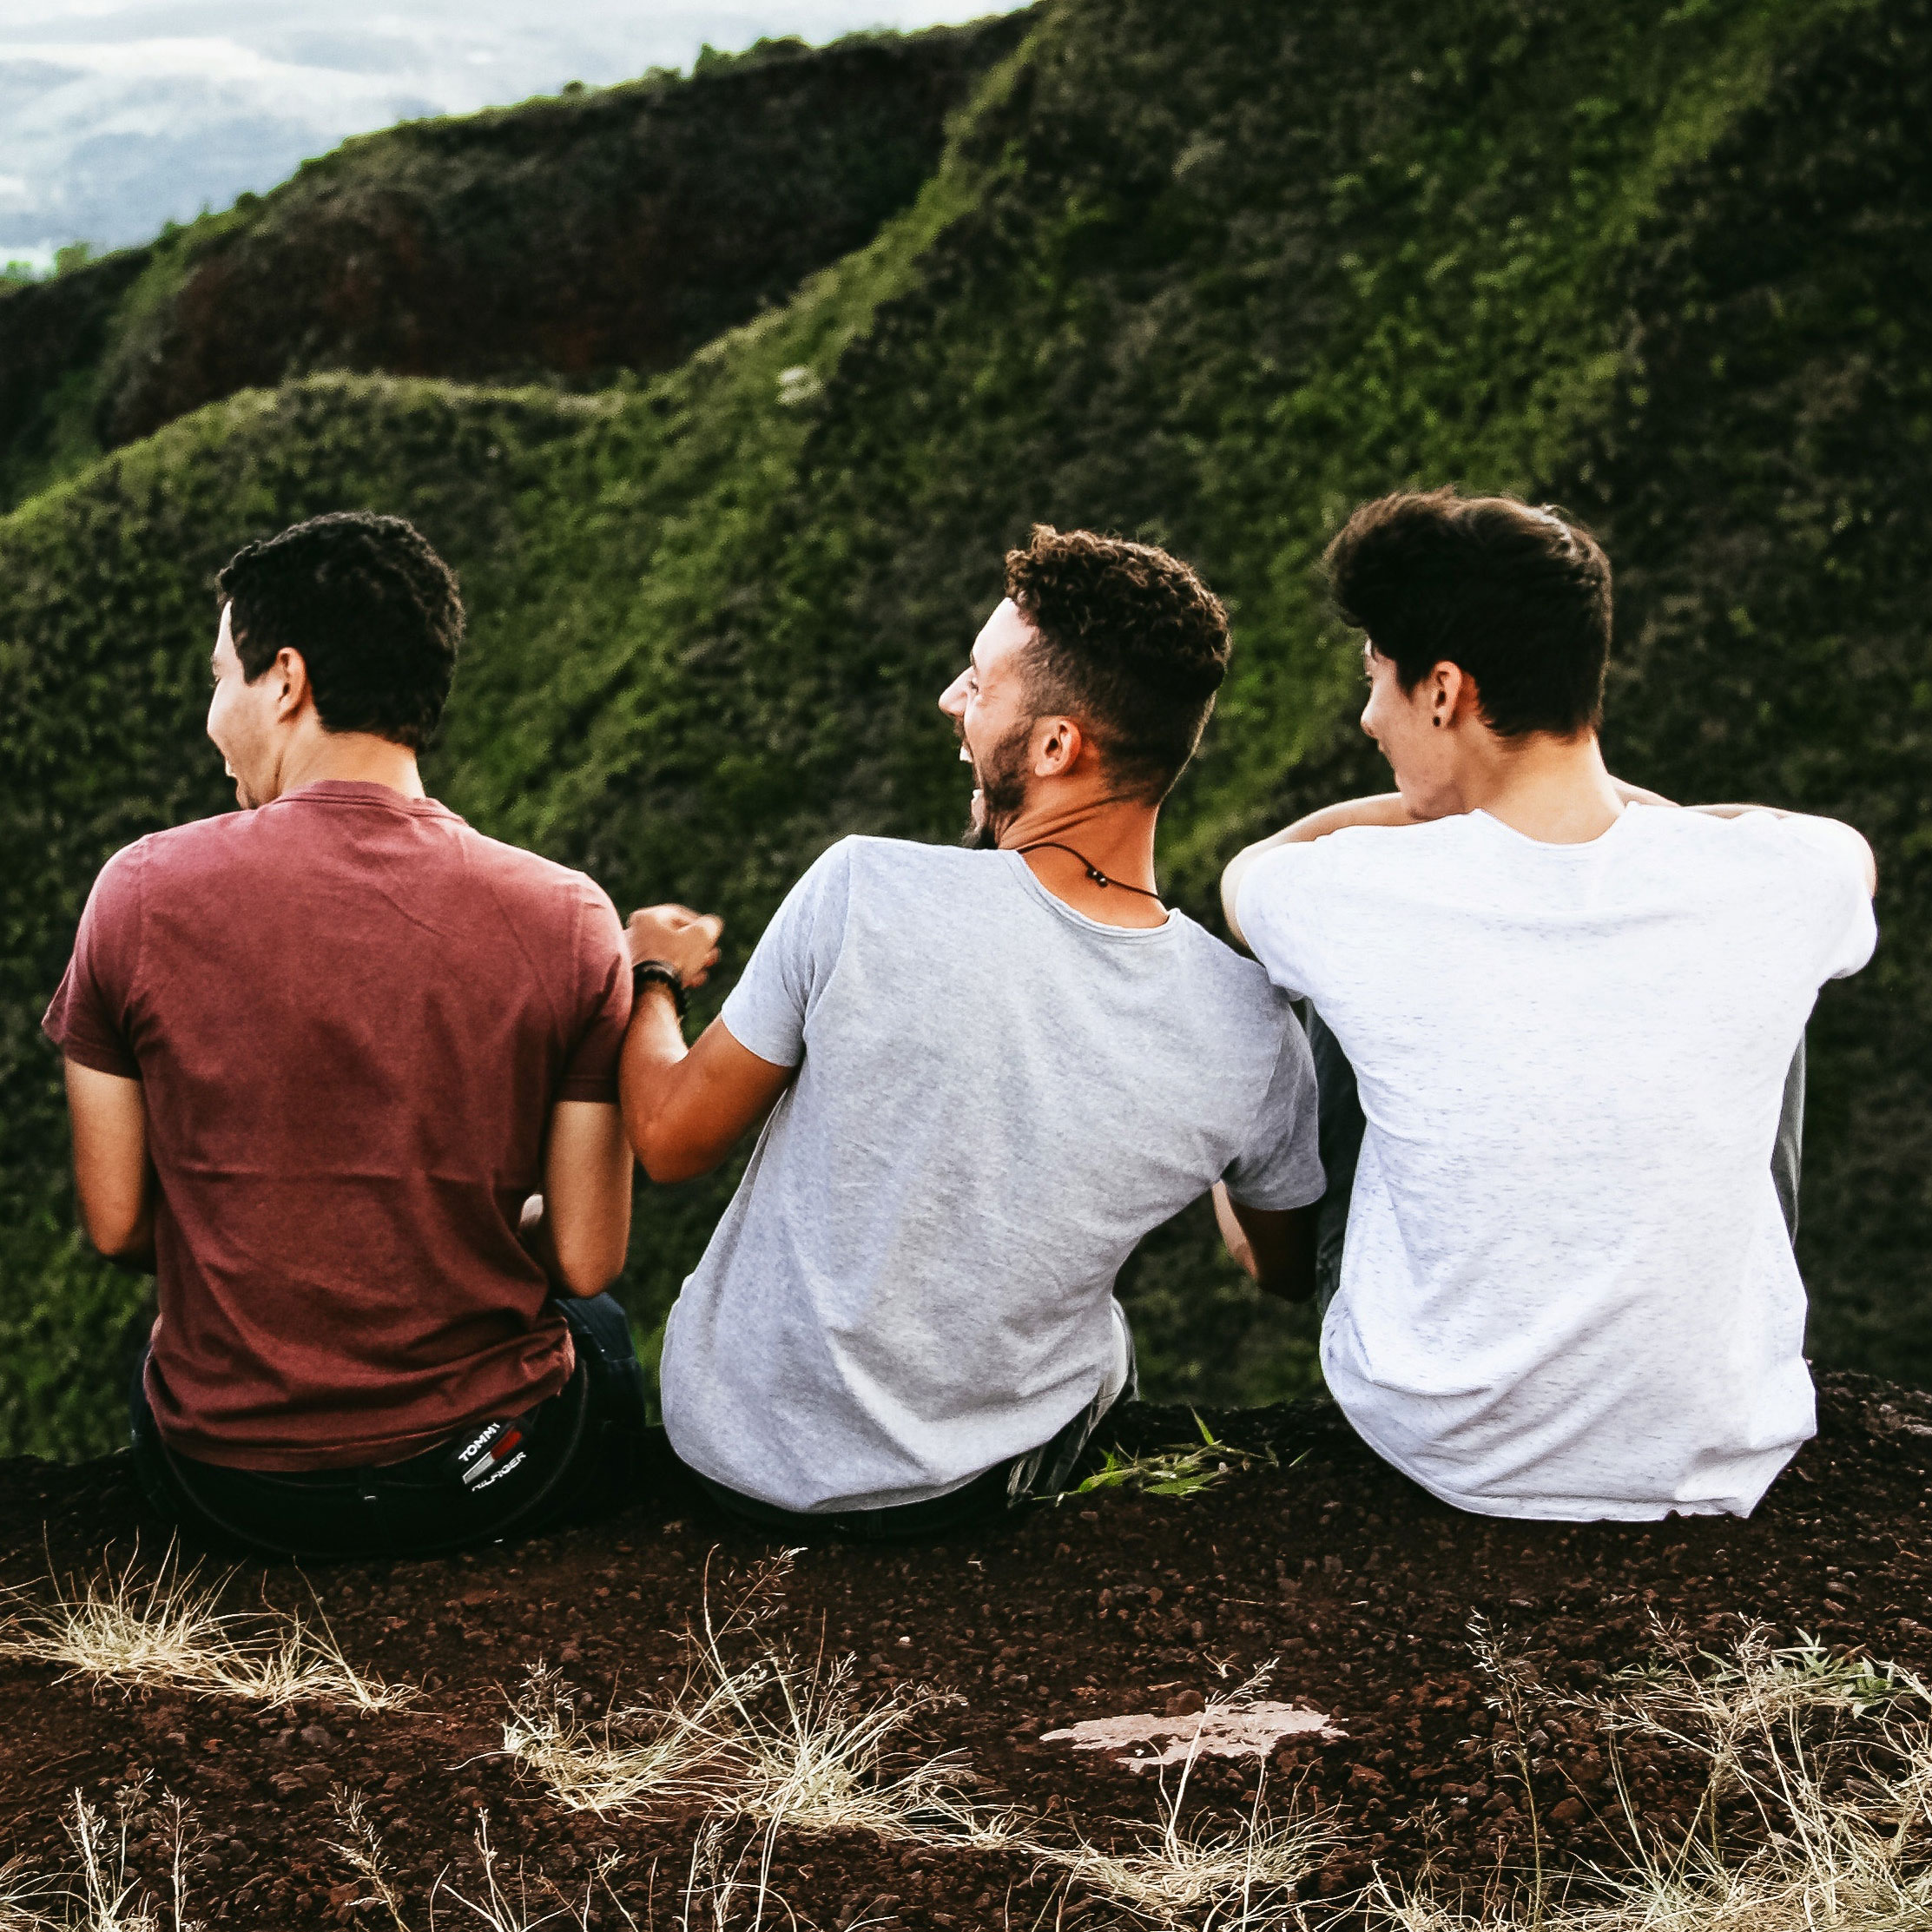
x: 998, y: 1098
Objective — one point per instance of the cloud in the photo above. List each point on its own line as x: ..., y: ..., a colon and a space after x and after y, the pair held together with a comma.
x: 120, y: 114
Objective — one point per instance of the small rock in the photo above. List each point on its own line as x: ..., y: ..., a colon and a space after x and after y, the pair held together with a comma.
x: 1184, y: 1704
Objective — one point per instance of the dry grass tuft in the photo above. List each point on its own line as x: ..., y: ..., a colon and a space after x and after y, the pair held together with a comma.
x: 361, y: 1851
x: 1816, y: 1814
x: 763, y: 1735
x: 167, y: 1630
x: 1240, y: 1878
x: 101, y: 1893
x: 506, y: 1905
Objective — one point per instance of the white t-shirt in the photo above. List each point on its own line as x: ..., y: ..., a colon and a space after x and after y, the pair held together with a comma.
x: 997, y: 1097
x: 1567, y: 1291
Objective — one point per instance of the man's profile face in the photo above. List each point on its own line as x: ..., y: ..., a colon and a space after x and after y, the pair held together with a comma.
x: 242, y: 718
x: 989, y: 704
x: 1423, y: 755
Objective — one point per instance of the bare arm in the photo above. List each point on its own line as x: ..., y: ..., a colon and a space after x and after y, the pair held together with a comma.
x: 114, y: 1179
x: 1869, y: 860
x: 1276, y: 1246
x: 580, y: 1236
x: 686, y: 1111
x: 1384, y: 809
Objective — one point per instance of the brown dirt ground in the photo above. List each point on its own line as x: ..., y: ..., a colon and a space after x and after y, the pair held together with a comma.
x: 1116, y: 1602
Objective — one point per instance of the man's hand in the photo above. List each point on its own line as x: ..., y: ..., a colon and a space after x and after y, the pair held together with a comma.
x: 1635, y: 795
x: 686, y: 941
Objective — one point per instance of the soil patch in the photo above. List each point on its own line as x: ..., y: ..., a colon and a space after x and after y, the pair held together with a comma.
x: 1360, y: 1588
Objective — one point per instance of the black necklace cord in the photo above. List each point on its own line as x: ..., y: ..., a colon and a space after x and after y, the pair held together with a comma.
x: 1094, y: 873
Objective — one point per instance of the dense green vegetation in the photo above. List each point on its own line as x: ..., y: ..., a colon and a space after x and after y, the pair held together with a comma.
x: 1206, y: 272
x: 606, y: 231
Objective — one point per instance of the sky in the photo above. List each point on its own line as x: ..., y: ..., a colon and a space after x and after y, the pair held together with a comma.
x: 116, y: 116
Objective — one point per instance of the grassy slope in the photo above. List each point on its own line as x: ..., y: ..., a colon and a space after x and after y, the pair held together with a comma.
x: 1201, y: 271
x: 603, y: 230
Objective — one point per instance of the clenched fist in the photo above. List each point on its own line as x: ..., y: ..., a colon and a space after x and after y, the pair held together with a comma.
x: 686, y: 941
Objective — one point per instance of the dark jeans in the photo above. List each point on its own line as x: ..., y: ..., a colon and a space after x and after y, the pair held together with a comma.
x: 1341, y: 1127
x: 1042, y: 1471
x: 584, y: 1457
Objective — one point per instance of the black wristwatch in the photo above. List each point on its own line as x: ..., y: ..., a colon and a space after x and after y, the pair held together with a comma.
x: 646, y: 971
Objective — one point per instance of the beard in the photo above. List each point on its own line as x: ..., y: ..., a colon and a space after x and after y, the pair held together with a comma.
x: 1001, y: 778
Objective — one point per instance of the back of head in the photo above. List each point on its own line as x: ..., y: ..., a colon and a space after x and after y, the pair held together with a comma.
x: 374, y: 610
x: 1518, y: 597
x: 1131, y: 642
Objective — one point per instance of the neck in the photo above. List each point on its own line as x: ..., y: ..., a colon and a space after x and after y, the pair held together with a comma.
x: 352, y: 757
x: 1555, y: 790
x: 1114, y: 835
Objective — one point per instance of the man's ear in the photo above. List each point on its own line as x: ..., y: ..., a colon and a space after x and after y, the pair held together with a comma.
x: 1057, y: 744
x: 1451, y: 695
x: 291, y: 675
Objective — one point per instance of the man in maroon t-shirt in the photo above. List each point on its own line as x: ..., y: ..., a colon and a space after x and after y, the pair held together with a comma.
x: 321, y: 1054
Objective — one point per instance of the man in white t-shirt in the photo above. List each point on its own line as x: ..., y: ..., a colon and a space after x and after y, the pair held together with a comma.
x: 1567, y: 1288
x: 984, y: 1075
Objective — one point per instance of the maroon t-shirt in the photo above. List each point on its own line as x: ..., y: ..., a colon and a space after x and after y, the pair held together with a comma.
x: 351, y: 1016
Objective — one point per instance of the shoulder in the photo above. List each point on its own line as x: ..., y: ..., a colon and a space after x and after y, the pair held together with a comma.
x: 1238, y: 987
x: 200, y: 847
x: 865, y: 856
x: 1286, y: 880
x: 1756, y: 840
x: 862, y: 866
x: 530, y: 877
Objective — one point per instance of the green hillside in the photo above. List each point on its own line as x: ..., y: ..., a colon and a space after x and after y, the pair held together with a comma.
x: 605, y: 232
x: 1205, y: 272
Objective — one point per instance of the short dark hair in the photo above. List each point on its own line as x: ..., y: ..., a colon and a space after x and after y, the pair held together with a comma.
x: 374, y: 611
x: 1130, y: 640
x: 1519, y: 598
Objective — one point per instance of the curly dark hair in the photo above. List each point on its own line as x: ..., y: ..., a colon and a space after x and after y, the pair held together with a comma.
x: 1519, y: 598
x: 1130, y: 640
x: 374, y: 611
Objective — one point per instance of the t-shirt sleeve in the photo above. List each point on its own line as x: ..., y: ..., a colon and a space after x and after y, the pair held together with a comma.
x: 604, y: 982
x: 89, y: 1019
x: 1835, y: 910
x: 1274, y: 910
x: 796, y: 956
x: 1281, y: 1165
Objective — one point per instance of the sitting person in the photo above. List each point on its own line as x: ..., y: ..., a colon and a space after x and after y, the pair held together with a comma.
x: 984, y: 1075
x: 321, y: 1055
x: 1572, y: 1016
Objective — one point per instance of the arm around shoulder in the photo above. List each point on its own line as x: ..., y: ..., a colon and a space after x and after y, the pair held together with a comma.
x: 1852, y: 840
x: 1384, y: 809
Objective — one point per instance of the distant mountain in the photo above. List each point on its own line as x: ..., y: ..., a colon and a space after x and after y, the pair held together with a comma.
x: 603, y: 232
x: 1207, y: 271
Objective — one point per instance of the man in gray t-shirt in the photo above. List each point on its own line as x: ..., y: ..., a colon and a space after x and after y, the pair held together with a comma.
x: 985, y: 1074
